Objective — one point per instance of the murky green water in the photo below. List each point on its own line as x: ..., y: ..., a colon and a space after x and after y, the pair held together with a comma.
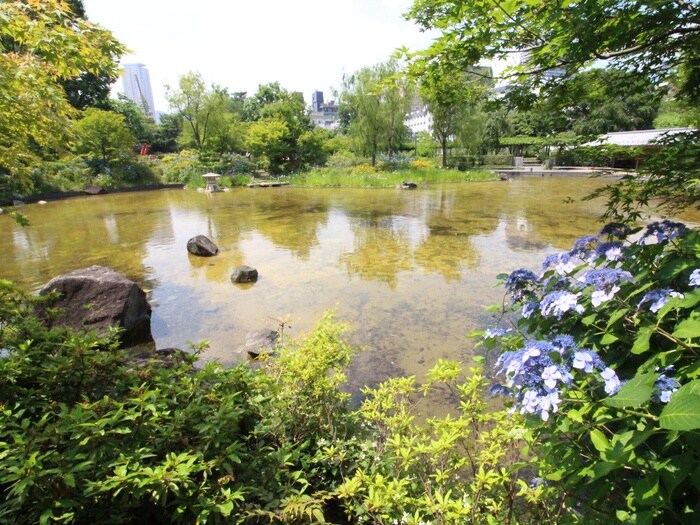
x: 411, y: 270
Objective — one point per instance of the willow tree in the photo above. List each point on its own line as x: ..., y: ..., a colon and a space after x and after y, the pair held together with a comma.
x: 376, y: 99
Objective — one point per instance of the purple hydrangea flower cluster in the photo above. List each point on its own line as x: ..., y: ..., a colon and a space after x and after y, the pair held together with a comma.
x: 535, y: 374
x: 694, y: 280
x: 664, y: 387
x: 492, y: 333
x: 606, y: 283
x: 658, y: 298
x: 663, y: 231
x: 559, y: 302
x: 616, y: 230
x: 519, y: 282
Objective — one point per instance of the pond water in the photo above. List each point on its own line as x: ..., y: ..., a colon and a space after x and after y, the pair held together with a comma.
x: 411, y: 271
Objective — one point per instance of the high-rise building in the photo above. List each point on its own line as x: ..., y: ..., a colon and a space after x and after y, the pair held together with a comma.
x: 317, y: 100
x: 136, y: 83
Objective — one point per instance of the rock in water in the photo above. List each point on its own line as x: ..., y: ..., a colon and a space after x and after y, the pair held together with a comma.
x: 201, y: 245
x: 244, y: 274
x: 97, y: 298
x: 260, y: 342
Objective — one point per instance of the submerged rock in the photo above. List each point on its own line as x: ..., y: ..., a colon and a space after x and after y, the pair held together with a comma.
x: 98, y: 298
x: 202, y: 246
x: 244, y: 274
x: 260, y: 342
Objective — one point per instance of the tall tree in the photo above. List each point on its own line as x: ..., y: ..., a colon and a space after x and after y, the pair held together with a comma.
x: 451, y: 98
x: 376, y: 100
x: 195, y: 104
x: 43, y: 44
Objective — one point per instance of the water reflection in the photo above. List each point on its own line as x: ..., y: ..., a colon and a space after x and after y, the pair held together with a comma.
x: 411, y: 270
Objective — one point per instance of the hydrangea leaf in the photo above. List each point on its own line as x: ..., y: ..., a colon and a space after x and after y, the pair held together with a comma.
x: 681, y: 413
x: 641, y: 343
x: 600, y: 442
x: 635, y: 392
x: 688, y: 329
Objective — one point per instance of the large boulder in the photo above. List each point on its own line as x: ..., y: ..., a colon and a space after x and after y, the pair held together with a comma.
x: 244, y: 274
x: 201, y: 245
x: 97, y: 298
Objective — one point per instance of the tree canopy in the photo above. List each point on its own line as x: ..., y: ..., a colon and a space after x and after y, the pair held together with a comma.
x: 43, y: 44
x: 658, y: 38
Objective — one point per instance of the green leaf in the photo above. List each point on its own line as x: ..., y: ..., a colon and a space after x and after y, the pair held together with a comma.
x: 609, y: 339
x: 641, y: 343
x: 600, y: 442
x: 225, y: 508
x: 688, y: 329
x: 635, y: 392
x: 681, y: 413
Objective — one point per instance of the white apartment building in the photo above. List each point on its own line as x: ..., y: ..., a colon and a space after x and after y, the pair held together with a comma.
x: 136, y: 85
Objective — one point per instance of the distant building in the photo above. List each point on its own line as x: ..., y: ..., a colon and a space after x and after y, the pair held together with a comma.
x: 316, y: 101
x: 419, y: 118
x: 324, y: 115
x: 136, y: 83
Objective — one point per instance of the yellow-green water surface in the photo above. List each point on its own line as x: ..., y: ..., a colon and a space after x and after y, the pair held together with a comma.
x: 412, y: 271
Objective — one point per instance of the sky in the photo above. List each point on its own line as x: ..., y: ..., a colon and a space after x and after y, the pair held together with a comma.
x: 305, y: 45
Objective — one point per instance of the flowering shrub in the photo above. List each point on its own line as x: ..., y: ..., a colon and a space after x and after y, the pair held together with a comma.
x: 421, y: 164
x: 604, y: 360
x: 364, y: 169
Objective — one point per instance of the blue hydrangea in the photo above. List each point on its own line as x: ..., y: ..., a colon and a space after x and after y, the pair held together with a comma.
x: 664, y: 387
x: 559, y: 302
x: 585, y: 247
x: 518, y: 282
x: 658, y: 298
x: 606, y: 278
x: 663, y: 231
x: 612, y: 251
x: 616, y: 230
x: 605, y: 281
x: 563, y: 263
x: 587, y: 360
x: 492, y: 333
x: 535, y: 380
x: 530, y: 308
x: 564, y: 344
x: 694, y: 280
x: 612, y: 382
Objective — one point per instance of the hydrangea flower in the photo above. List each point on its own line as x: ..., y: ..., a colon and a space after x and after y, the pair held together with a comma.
x: 605, y: 281
x: 559, y: 302
x: 563, y: 263
x: 694, y: 280
x: 530, y: 308
x: 585, y: 248
x: 587, y: 360
x: 518, y: 282
x: 492, y: 333
x: 658, y: 298
x: 612, y: 382
x: 664, y: 231
x: 534, y: 379
x: 612, y: 251
x: 616, y: 230
x: 664, y: 387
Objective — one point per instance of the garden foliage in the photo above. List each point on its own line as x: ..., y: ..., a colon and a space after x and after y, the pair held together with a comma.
x: 604, y: 361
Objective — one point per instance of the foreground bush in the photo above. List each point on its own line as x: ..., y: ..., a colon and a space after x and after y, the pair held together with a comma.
x: 87, y: 435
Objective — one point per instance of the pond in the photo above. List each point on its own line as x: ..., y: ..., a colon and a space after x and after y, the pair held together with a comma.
x: 411, y: 271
